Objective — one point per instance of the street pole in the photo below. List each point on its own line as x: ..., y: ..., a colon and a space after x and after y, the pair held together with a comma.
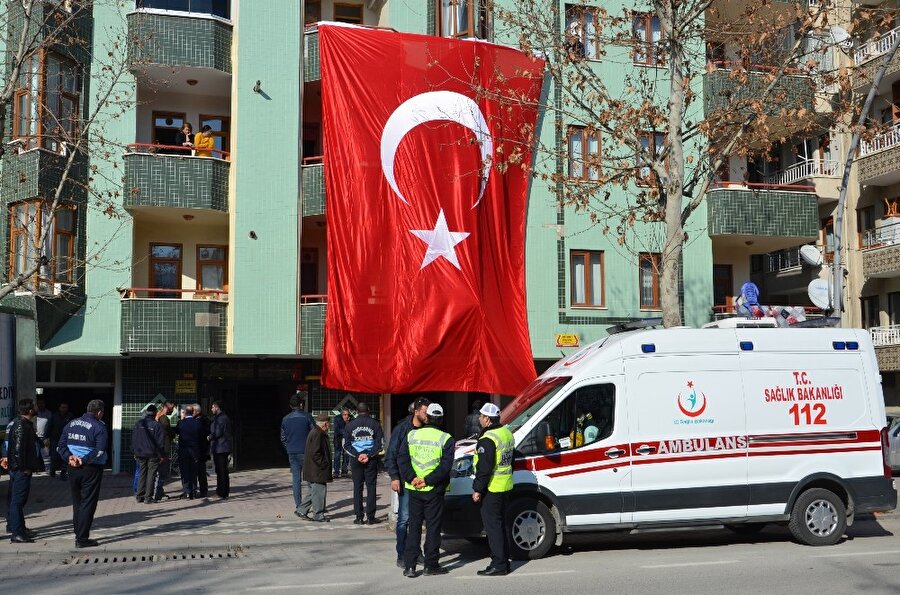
x: 836, y: 271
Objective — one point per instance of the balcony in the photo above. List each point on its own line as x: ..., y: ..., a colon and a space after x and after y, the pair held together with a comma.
x: 866, y: 59
x: 313, y: 198
x: 311, y: 65
x: 312, y: 324
x: 37, y: 172
x: 722, y: 89
x: 822, y: 174
x: 195, y: 41
x: 157, y: 179
x: 768, y: 217
x: 887, y: 347
x: 171, y: 325
x: 879, y: 157
x: 881, y: 251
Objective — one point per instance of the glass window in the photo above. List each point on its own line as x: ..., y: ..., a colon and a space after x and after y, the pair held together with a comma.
x: 582, y: 40
x: 865, y: 226
x: 313, y: 12
x: 584, y: 153
x: 828, y: 238
x: 212, y: 265
x: 348, y: 13
x: 648, y: 40
x: 870, y: 311
x: 219, y: 8
x: 535, y: 396
x: 165, y: 126
x: 29, y: 241
x: 651, y: 143
x: 894, y: 307
x: 165, y: 269
x: 220, y: 130
x: 462, y: 18
x: 649, y: 263
x: 586, y: 274
x: 584, y: 417
x: 46, y: 114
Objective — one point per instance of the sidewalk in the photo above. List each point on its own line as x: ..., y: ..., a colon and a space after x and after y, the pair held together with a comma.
x: 259, y: 512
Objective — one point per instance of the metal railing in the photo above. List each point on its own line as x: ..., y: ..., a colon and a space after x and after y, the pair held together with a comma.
x: 886, y: 235
x: 805, y: 170
x: 876, y: 47
x: 883, y: 336
x: 314, y: 299
x: 783, y: 260
x: 176, y: 150
x: 885, y: 140
x: 152, y: 293
x: 729, y: 185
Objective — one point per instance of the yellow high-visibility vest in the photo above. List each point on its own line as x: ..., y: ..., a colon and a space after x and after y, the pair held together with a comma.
x: 502, y: 478
x: 426, y: 446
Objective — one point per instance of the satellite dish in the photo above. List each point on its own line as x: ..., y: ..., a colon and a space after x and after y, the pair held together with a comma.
x: 811, y: 255
x: 841, y: 37
x: 819, y: 292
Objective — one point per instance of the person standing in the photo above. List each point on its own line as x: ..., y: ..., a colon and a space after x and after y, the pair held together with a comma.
x: 57, y: 422
x: 42, y: 427
x: 220, y: 445
x: 341, y: 458
x: 204, y: 143
x: 190, y: 437
x: 425, y: 467
x: 162, y: 475
x: 364, y: 439
x: 22, y: 461
x: 493, y: 482
x: 398, y: 441
x: 83, y: 446
x: 184, y: 139
x: 148, y: 446
x: 202, y: 480
x: 295, y: 428
x: 472, y: 425
x: 316, y: 471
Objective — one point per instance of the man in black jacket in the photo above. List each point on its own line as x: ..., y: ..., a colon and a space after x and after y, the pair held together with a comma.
x: 22, y: 460
x: 57, y: 422
x: 148, y: 445
x: 364, y: 439
x: 190, y: 437
x: 202, y: 480
x: 220, y: 444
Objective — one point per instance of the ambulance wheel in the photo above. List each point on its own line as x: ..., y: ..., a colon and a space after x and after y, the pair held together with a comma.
x: 819, y: 517
x: 746, y: 528
x: 532, y: 529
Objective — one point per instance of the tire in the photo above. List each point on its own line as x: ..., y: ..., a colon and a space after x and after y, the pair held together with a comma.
x: 531, y: 529
x: 746, y: 528
x: 819, y: 517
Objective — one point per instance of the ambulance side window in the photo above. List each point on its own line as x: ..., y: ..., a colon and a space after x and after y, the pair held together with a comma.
x: 585, y: 417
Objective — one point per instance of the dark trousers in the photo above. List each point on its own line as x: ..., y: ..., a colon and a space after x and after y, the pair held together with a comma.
x: 187, y: 465
x: 56, y: 462
x: 84, y: 483
x: 19, y: 488
x: 428, y: 507
x: 341, y: 459
x: 494, y: 520
x: 202, y: 481
x: 223, y: 482
x: 162, y: 475
x: 364, y: 474
x: 147, y: 467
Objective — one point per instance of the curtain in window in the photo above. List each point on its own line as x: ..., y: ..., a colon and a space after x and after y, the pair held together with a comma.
x: 578, y: 265
x: 596, y: 280
x: 576, y: 154
x: 593, y: 149
x: 647, y: 296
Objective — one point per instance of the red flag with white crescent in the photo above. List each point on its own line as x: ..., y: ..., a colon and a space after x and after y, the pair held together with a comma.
x: 427, y: 149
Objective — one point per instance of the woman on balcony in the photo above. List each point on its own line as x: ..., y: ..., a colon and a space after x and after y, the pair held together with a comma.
x: 204, y: 142
x: 183, y: 139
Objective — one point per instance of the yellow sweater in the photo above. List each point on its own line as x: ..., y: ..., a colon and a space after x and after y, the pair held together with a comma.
x: 203, y: 143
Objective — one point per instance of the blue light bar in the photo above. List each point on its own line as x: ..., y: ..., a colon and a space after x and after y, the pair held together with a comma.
x: 852, y: 345
x: 839, y: 345
x: 648, y: 348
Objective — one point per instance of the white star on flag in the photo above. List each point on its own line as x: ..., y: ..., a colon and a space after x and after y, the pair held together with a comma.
x: 441, y: 242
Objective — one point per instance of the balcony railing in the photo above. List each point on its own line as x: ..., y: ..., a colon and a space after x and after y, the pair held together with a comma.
x: 785, y: 315
x: 804, y: 171
x: 884, y: 336
x: 155, y: 149
x: 876, y: 47
x: 885, y: 140
x: 132, y: 293
x: 887, y: 235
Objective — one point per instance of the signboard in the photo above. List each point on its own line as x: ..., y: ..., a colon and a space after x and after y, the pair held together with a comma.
x: 185, y: 387
x: 7, y: 369
x: 564, y: 340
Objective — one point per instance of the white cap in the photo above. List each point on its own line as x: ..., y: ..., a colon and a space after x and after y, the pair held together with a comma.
x: 435, y: 410
x: 490, y: 410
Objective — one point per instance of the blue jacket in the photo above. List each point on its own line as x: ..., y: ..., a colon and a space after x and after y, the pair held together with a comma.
x: 190, y: 438
x: 398, y: 439
x: 338, y: 424
x: 86, y: 438
x: 147, y: 440
x: 220, y: 435
x: 295, y: 428
x: 363, y: 435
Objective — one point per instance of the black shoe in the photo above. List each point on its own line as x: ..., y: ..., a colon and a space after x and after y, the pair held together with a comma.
x: 87, y: 543
x: 410, y: 573
x: 358, y: 521
x: 435, y: 571
x: 30, y: 534
x: 53, y: 474
x: 203, y: 494
x: 21, y: 538
x: 492, y: 571
x: 150, y: 501
x: 400, y: 563
x: 305, y: 517
x: 373, y: 521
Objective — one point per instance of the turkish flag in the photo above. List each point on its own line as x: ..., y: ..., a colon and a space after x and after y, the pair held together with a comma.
x: 427, y: 151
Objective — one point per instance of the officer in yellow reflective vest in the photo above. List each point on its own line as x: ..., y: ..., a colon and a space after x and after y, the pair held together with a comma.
x: 425, y: 466
x: 493, y: 482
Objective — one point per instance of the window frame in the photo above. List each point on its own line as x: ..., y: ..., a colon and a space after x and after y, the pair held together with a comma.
x: 153, y: 260
x: 869, y: 213
x: 210, y: 262
x: 40, y: 244
x: 582, y: 37
x: 826, y: 224
x: 875, y: 302
x: 478, y: 31
x: 566, y: 410
x: 225, y: 134
x: 652, y: 56
x: 585, y: 133
x: 166, y: 114
x: 39, y: 112
x: 588, y: 280
x: 655, y: 260
x: 653, y: 147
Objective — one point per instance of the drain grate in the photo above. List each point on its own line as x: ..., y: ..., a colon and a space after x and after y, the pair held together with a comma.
x: 152, y: 558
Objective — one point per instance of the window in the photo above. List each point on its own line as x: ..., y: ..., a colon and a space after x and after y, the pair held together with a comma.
x: 348, y: 13
x: 462, y: 18
x: 217, y: 8
x: 894, y: 307
x: 313, y: 12
x: 647, y: 40
x: 828, y: 238
x: 586, y: 273
x: 584, y: 153
x: 585, y: 417
x: 651, y: 143
x: 165, y: 269
x: 212, y: 268
x: 865, y: 225
x: 220, y: 131
x: 26, y: 226
x: 870, y: 311
x: 582, y: 40
x: 46, y: 101
x: 165, y: 126
x: 649, y: 264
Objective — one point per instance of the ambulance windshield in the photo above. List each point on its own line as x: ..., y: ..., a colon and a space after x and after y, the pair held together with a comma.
x: 531, y: 400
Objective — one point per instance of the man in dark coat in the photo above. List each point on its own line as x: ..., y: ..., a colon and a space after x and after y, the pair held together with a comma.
x: 364, y: 439
x: 190, y: 435
x: 341, y: 458
x: 22, y: 461
x: 202, y: 483
x: 148, y: 445
x: 57, y: 422
x: 316, y: 471
x: 220, y: 445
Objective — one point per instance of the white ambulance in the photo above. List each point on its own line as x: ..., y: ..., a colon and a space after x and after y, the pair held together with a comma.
x: 677, y: 427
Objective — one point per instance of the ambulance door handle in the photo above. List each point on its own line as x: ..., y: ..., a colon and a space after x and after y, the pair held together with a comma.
x: 645, y: 450
x: 614, y: 452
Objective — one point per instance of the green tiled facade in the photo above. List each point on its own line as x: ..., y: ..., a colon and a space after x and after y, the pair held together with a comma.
x: 199, y: 42
x: 313, y: 190
x: 311, y: 68
x: 173, y: 181
x: 38, y: 172
x: 720, y: 91
x: 312, y: 329
x: 763, y: 213
x: 175, y: 326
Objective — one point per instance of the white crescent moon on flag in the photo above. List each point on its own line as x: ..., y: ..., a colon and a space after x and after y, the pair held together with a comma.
x: 435, y: 106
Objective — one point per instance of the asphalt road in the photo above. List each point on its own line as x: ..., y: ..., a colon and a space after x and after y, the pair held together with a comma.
x: 686, y: 561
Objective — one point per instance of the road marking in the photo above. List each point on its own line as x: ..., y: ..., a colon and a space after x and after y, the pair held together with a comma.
x: 685, y: 564
x: 295, y: 587
x: 520, y: 574
x: 848, y: 554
